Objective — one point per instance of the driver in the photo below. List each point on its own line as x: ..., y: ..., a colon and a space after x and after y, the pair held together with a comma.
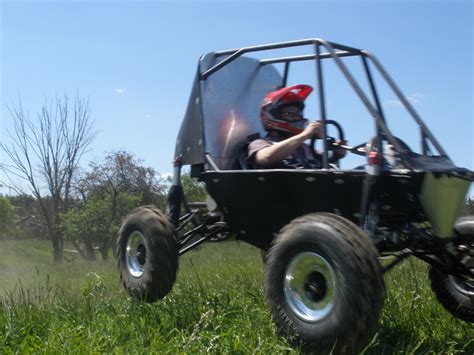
x: 281, y: 113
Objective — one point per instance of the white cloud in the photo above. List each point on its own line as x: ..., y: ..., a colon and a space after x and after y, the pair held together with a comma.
x: 414, y: 99
x: 121, y: 91
x: 166, y: 175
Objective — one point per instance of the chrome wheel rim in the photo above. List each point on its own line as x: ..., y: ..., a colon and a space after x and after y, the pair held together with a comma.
x: 466, y: 287
x: 136, y: 254
x: 310, y: 286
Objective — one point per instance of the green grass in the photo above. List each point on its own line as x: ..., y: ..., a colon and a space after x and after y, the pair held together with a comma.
x: 217, y: 306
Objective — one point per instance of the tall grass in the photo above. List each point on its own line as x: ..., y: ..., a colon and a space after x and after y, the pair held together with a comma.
x: 217, y: 306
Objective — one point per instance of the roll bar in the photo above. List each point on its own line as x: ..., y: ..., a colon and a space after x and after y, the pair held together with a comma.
x: 337, y: 51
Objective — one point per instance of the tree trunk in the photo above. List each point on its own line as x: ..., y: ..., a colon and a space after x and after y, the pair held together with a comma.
x: 57, y: 248
x: 104, y: 252
x: 89, y: 251
x: 105, y: 246
x: 78, y: 248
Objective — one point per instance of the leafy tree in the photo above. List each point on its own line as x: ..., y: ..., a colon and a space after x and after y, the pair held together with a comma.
x: 109, y: 191
x: 194, y: 190
x: 8, y: 219
x: 121, y: 172
x: 468, y: 208
x: 29, y: 218
x: 94, y: 224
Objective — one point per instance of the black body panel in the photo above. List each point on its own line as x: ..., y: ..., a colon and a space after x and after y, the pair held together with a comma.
x: 258, y: 203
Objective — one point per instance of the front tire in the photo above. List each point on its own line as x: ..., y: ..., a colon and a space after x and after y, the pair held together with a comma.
x: 324, y: 285
x: 147, y: 254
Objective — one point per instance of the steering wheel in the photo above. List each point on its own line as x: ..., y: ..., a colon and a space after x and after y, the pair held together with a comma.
x: 331, y: 142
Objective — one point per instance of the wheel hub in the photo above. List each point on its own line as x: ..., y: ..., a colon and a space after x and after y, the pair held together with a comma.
x: 310, y: 286
x: 136, y: 254
x: 141, y: 254
x: 315, y: 287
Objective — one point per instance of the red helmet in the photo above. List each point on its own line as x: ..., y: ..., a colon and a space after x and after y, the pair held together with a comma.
x: 275, y: 100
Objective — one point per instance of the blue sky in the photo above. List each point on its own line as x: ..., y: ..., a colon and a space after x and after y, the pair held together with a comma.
x: 136, y: 60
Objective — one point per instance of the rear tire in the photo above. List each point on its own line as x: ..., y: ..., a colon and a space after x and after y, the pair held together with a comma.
x: 324, y: 285
x: 454, y: 293
x: 147, y: 254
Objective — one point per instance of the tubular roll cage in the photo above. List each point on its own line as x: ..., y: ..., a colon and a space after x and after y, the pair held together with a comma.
x: 336, y: 52
x: 209, y: 226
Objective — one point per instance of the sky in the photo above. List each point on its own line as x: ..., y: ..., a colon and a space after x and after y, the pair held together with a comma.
x: 136, y: 60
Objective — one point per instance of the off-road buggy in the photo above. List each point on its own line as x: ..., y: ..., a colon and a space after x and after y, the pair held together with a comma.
x: 321, y: 231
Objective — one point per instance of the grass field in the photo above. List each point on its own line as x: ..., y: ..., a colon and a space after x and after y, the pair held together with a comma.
x: 217, y: 306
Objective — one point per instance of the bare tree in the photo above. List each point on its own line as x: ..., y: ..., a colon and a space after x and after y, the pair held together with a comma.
x: 43, y: 156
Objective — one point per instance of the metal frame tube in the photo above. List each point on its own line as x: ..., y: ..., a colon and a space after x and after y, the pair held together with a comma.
x: 235, y: 53
x: 200, y: 240
x: 405, y: 102
x: 398, y: 259
x: 285, y: 74
x: 301, y: 42
x: 322, y: 106
x: 288, y: 44
x: 377, y: 103
x: 211, y: 162
x: 300, y: 58
x: 372, y: 88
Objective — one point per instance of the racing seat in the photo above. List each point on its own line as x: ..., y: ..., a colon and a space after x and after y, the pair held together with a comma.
x: 241, y: 162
